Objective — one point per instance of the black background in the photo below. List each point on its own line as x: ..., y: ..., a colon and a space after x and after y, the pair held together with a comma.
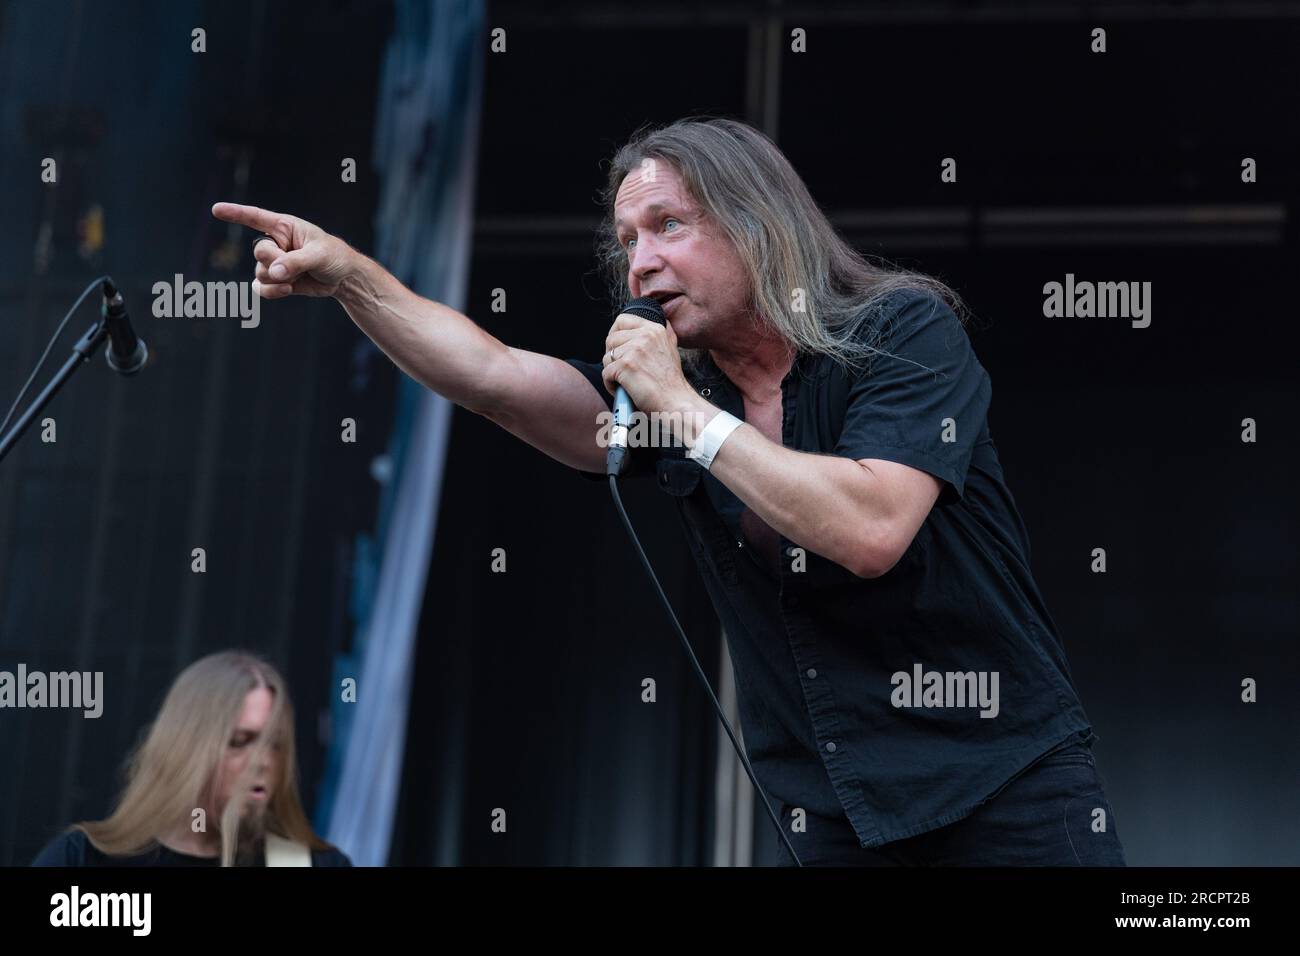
x: 526, y: 693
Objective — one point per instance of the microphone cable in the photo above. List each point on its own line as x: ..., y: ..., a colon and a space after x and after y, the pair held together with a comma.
x: 46, y: 354
x: 690, y: 653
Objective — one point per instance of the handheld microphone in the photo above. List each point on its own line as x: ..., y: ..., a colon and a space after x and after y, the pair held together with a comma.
x: 126, y: 352
x: 616, y: 457
x: 648, y: 308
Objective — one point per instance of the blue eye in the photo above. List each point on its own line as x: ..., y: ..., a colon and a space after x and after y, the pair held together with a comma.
x: 628, y: 245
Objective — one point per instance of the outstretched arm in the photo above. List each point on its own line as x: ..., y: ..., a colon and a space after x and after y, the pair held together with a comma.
x: 538, y: 398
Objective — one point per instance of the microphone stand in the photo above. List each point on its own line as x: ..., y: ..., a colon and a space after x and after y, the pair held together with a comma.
x: 82, y: 352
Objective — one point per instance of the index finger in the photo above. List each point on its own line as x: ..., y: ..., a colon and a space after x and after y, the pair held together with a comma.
x: 254, y: 217
x: 627, y: 320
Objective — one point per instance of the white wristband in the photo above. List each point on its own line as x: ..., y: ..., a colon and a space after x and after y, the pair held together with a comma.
x: 708, y: 442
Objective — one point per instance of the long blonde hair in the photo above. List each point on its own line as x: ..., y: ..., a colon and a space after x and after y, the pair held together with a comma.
x: 742, y: 181
x: 175, y: 770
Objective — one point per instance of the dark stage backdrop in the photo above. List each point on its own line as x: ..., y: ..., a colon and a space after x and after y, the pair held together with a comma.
x: 229, y: 439
x: 527, y: 689
x: 1111, y: 436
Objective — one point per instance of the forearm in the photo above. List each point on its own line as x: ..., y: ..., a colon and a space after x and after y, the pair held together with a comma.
x: 433, y: 343
x: 830, y: 505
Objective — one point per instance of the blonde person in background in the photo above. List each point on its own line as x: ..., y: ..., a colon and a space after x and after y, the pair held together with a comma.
x: 213, y: 784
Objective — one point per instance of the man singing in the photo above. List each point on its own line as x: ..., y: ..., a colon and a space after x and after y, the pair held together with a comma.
x: 903, y: 692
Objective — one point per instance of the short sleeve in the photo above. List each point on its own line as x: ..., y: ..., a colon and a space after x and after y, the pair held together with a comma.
x: 638, y: 462
x: 923, y: 404
x: 592, y: 372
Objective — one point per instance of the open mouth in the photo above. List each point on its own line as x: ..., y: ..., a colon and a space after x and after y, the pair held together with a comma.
x: 666, y: 298
x: 258, y: 793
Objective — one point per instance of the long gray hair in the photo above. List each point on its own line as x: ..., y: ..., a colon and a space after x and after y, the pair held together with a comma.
x: 743, y: 182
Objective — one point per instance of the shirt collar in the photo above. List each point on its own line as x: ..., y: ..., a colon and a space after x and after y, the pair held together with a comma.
x: 710, y: 374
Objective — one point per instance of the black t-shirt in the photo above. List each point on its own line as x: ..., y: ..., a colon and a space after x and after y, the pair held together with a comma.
x: 829, y: 723
x: 73, y: 848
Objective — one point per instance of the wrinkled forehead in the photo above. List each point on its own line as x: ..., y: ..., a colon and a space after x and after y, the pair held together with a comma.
x: 653, y: 182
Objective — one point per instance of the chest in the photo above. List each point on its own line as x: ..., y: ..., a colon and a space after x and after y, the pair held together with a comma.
x: 762, y: 539
x: 766, y: 416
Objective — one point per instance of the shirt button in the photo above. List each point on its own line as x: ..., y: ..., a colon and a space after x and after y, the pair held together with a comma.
x: 830, y: 746
x: 812, y: 673
x: 739, y: 543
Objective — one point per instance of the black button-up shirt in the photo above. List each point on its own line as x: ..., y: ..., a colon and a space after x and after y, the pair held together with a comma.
x: 862, y: 697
